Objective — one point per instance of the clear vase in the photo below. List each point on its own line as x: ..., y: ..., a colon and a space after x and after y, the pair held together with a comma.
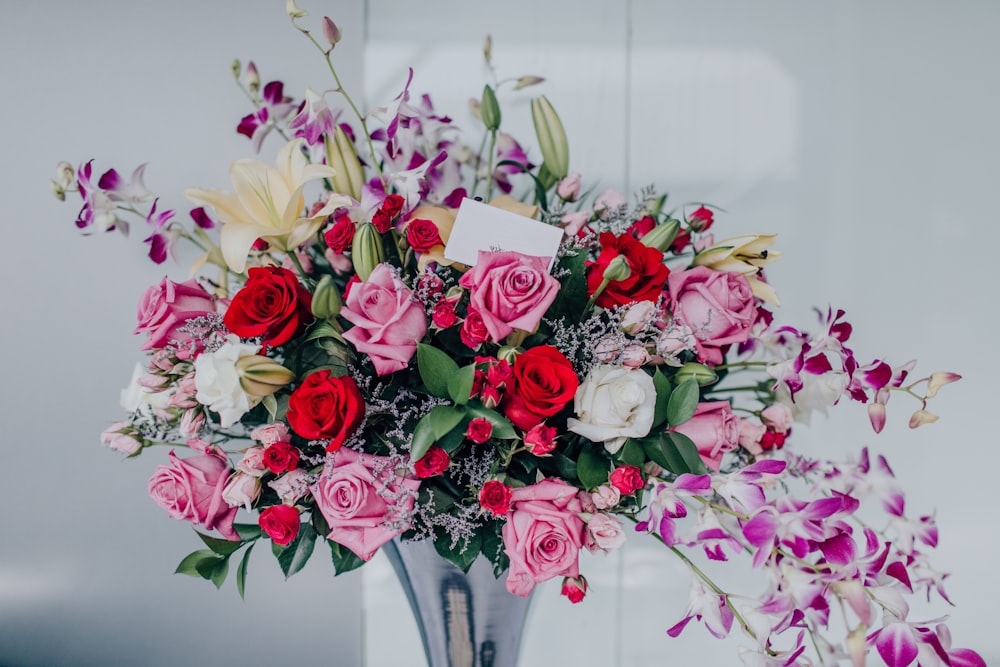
x: 465, y: 619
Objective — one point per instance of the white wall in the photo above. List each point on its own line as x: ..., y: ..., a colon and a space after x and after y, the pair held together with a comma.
x: 863, y: 133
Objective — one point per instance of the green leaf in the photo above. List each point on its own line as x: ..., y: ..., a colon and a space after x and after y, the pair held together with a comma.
x: 632, y: 454
x: 688, y: 452
x: 344, y: 560
x: 189, y: 565
x: 502, y: 429
x: 493, y: 548
x: 247, y: 531
x: 241, y: 572
x: 295, y: 555
x: 460, y: 384
x: 683, y: 402
x: 567, y: 467
x: 423, y: 438
x: 662, y: 385
x: 323, y: 329
x: 444, y: 418
x: 452, y: 441
x: 220, y: 546
x: 591, y: 468
x: 271, y: 405
x: 540, y: 187
x: 213, y: 567
x: 674, y: 452
x: 436, y: 369
x: 461, y: 557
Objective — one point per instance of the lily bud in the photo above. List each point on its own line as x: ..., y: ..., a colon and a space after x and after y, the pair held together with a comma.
x: 700, y: 373
x: 343, y: 157
x: 367, y: 251
x: 617, y: 269
x: 262, y: 376
x: 490, y: 109
x: 526, y: 81
x: 331, y: 31
x: 236, y: 67
x: 252, y: 78
x: 551, y: 138
x: 293, y: 11
x: 938, y: 380
x: 326, y: 301
x: 661, y: 236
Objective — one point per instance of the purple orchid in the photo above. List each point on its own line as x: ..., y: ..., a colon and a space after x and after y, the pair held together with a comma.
x: 275, y: 108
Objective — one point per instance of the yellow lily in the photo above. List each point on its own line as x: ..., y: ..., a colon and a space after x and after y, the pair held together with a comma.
x: 743, y: 254
x: 268, y: 204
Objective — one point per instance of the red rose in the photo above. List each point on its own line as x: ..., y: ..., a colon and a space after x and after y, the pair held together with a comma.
x: 422, y: 235
x: 540, y: 439
x: 479, y: 431
x: 433, y: 463
x: 392, y: 205
x: 701, y: 219
x: 495, y: 497
x: 627, y: 479
x: 382, y: 221
x: 281, y: 457
x: 324, y: 406
x: 642, y: 226
x: 280, y: 522
x: 543, y: 383
x: 340, y: 236
x: 272, y: 304
x: 443, y: 315
x: 646, y: 280
x: 474, y: 332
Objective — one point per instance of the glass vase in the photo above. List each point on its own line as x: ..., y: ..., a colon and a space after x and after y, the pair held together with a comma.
x: 465, y: 619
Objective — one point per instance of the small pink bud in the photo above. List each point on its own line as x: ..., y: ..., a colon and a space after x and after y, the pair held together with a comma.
x: 252, y: 78
x: 331, y: 31
x: 527, y: 80
x: 634, y: 356
x: 876, y: 414
x: 574, y: 588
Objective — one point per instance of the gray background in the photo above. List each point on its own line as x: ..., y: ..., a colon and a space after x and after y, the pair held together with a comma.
x: 864, y: 134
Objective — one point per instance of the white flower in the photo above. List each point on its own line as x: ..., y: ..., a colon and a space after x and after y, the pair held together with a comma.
x: 218, y: 381
x: 241, y: 490
x: 612, y: 405
x: 138, y: 398
x: 604, y: 533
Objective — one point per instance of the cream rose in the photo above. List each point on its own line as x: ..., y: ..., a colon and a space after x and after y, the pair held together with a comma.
x: 612, y: 405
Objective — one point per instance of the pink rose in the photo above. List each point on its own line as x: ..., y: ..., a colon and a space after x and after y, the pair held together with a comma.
x: 604, y: 533
x: 166, y: 307
x: 778, y: 417
x: 568, y: 188
x: 751, y: 435
x: 388, y: 321
x: 268, y: 434
x: 191, y: 490
x: 510, y: 291
x: 292, y: 486
x: 363, y: 501
x: 714, y: 429
x: 122, y: 437
x: 718, y: 307
x: 543, y: 535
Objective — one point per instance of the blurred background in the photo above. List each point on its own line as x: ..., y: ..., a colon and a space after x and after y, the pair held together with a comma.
x: 862, y: 133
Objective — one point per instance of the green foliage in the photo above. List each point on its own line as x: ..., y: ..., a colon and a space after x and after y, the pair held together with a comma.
x: 344, y: 560
x: 683, y: 402
x: 241, y: 572
x: 464, y: 554
x: 592, y: 467
x: 436, y: 369
x: 296, y: 553
x: 674, y: 452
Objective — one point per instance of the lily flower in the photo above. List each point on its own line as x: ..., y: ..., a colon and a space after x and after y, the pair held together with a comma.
x: 268, y: 204
x: 743, y: 254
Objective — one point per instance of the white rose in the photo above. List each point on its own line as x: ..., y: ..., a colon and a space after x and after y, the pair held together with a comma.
x: 604, y: 533
x: 241, y: 489
x: 612, y: 405
x: 218, y: 382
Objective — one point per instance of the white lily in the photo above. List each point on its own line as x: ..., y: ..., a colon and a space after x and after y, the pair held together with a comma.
x: 268, y: 204
x: 743, y: 254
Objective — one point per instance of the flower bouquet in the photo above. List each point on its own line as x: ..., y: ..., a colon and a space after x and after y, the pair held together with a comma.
x: 394, y: 334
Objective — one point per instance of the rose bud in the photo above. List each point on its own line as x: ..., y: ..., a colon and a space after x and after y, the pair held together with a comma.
x: 433, y: 463
x: 262, y: 376
x: 479, y: 431
x: 574, y: 589
x: 495, y: 496
x: 281, y: 523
